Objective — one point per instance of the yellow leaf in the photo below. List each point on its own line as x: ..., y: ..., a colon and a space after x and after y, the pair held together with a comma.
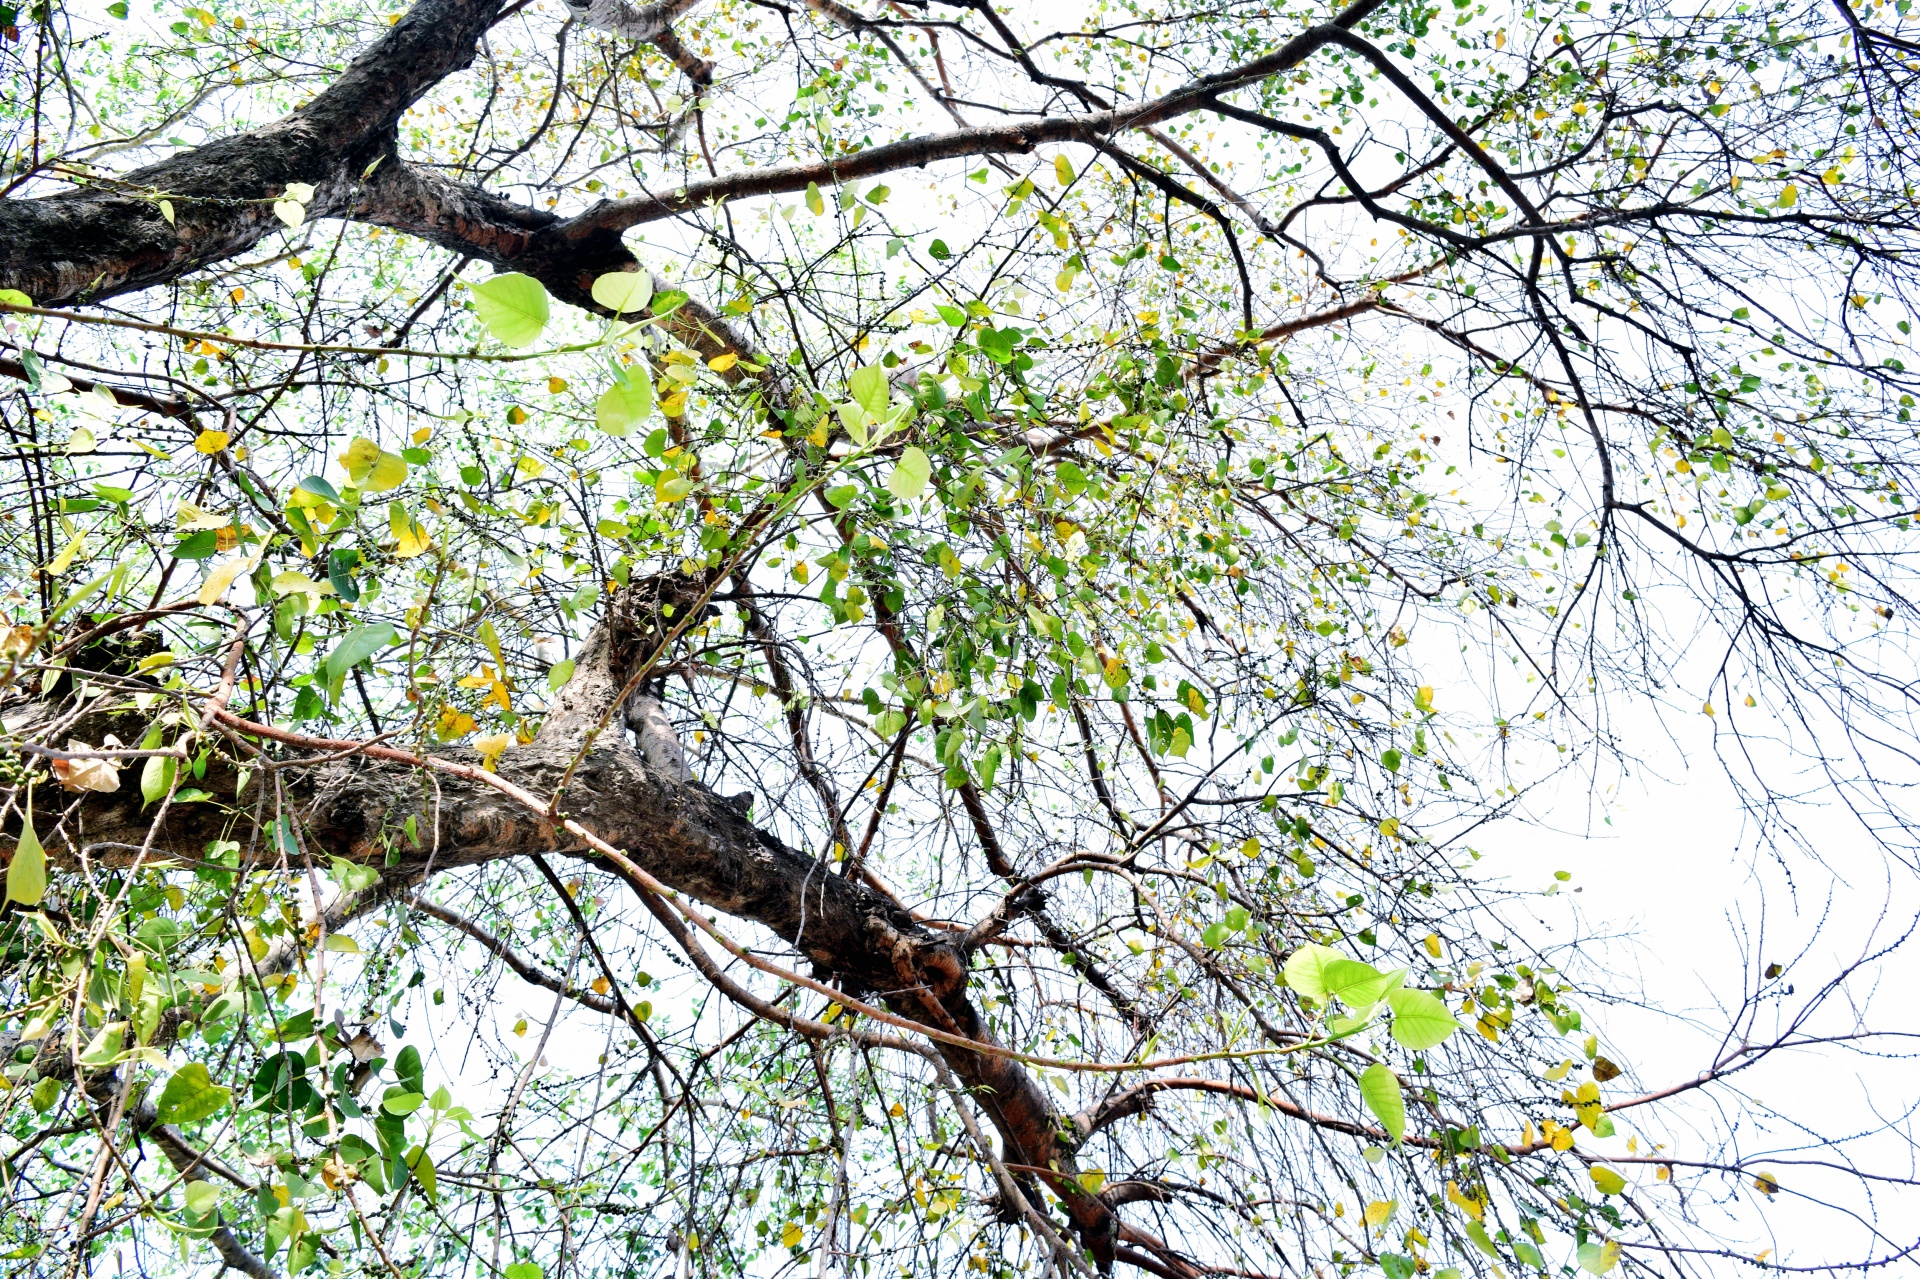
x: 359, y: 458
x: 389, y: 471
x: 64, y: 560
x: 520, y: 1027
x: 790, y: 1237
x: 555, y: 385
x: 491, y: 747
x: 289, y: 582
x: 210, y: 441
x: 1380, y: 1212
x: 601, y: 985
x: 453, y: 722
x: 1063, y: 168
x: 409, y: 534
x: 721, y: 363
x: 1433, y: 945
x: 1475, y: 1208
x: 1608, y: 1181
x: 1766, y: 1183
x: 193, y: 517
x: 214, y: 589
x: 1500, y: 39
x: 815, y: 205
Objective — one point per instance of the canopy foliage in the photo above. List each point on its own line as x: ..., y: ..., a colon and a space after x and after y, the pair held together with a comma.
x: 1107, y: 504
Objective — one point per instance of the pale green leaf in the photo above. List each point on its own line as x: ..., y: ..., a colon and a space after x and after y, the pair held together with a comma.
x: 512, y: 306
x: 104, y: 1046
x: 27, y: 872
x: 910, y: 474
x: 868, y: 386
x: 1359, y: 985
x: 1420, y: 1020
x: 1306, y: 969
x: 623, y: 291
x: 1381, y: 1091
x: 621, y: 408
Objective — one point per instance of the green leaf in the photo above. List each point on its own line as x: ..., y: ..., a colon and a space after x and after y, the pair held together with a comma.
x: 156, y: 777
x: 105, y: 1046
x: 201, y: 1197
x: 854, y: 418
x: 423, y: 1172
x: 361, y: 643
x: 559, y: 674
x: 1390, y: 760
x: 523, y: 1270
x: 513, y: 306
x: 1478, y: 1233
x: 953, y: 315
x: 1420, y: 1020
x: 191, y: 1095
x: 910, y: 474
x: 621, y: 408
x: 27, y: 872
x: 1609, y: 1181
x: 402, y: 1103
x: 353, y: 877
x: 1359, y: 985
x: 868, y: 386
x: 1597, y: 1259
x: 319, y: 488
x: 1380, y: 1089
x: 623, y: 291
x: 815, y: 204
x: 1216, y: 935
x: 1306, y: 970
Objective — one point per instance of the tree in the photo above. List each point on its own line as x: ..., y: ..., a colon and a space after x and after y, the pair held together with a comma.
x: 1033, y: 472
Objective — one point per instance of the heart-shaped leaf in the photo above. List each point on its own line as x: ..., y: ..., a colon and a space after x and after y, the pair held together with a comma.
x: 513, y: 306
x: 623, y: 291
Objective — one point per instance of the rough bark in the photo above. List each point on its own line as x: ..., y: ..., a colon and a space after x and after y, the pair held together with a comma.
x: 688, y: 838
x: 100, y: 241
